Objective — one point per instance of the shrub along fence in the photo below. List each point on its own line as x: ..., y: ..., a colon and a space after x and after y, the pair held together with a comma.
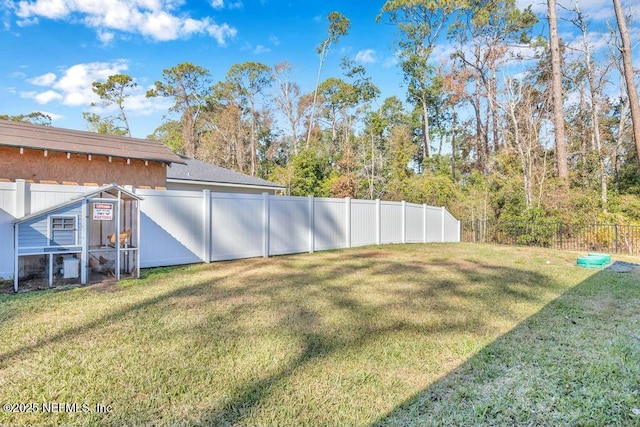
x: 609, y: 238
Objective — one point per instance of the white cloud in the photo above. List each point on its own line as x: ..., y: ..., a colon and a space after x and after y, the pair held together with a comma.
x: 43, y: 80
x: 367, y: 56
x: 52, y: 9
x: 442, y: 52
x: 76, y: 81
x: 221, y: 33
x: 274, y: 40
x: 391, y: 61
x: 73, y: 87
x: 261, y: 49
x: 54, y: 116
x: 105, y: 37
x: 27, y: 22
x: 46, y: 96
x: 159, y: 20
x: 139, y: 105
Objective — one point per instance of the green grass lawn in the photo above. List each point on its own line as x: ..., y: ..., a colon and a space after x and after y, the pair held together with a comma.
x: 442, y: 334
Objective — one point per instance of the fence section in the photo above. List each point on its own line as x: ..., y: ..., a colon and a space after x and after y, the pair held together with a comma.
x: 7, y: 214
x: 364, y: 222
x: 171, y: 231
x: 610, y: 238
x: 183, y: 227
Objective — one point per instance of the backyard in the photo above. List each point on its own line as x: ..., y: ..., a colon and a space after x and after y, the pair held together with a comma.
x: 436, y: 334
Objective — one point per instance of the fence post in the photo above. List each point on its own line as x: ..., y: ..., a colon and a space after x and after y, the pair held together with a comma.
x: 378, y: 222
x: 311, y: 224
x: 424, y: 223
x: 347, y: 202
x: 442, y: 223
x: 206, y: 225
x: 403, y: 206
x: 21, y: 198
x: 459, y: 231
x: 615, y: 229
x: 265, y: 222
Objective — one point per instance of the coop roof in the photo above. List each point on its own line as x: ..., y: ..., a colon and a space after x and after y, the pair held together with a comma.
x: 113, y: 189
x: 27, y: 135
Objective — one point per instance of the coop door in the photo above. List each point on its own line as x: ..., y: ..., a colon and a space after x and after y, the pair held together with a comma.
x: 102, y: 239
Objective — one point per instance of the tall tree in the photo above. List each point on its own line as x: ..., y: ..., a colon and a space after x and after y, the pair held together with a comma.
x: 420, y: 23
x: 288, y: 99
x: 486, y: 34
x: 338, y: 26
x: 627, y: 62
x: 114, y: 91
x: 250, y: 79
x: 188, y: 85
x: 556, y: 83
x: 595, y: 85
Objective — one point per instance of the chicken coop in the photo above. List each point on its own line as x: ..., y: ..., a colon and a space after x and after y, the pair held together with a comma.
x: 84, y: 240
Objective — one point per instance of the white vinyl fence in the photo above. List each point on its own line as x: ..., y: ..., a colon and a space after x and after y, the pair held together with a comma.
x: 183, y: 227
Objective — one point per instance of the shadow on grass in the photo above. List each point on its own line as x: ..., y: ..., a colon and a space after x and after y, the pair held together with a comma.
x: 365, y: 322
x: 338, y: 303
x: 575, y: 362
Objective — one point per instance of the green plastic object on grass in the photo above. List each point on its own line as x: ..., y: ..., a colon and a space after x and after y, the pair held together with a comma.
x: 594, y: 260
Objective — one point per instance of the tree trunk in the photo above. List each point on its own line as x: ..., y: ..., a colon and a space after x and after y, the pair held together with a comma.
x: 628, y: 73
x: 426, y: 148
x: 479, y: 133
x: 315, y: 95
x: 454, y: 124
x: 558, y: 112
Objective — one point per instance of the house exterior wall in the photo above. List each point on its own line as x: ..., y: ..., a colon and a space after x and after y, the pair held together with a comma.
x: 55, y: 168
x: 218, y: 188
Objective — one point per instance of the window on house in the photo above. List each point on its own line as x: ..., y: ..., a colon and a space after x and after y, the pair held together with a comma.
x: 63, y: 231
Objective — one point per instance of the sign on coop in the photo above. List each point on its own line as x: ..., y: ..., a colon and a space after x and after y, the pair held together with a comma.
x: 102, y: 211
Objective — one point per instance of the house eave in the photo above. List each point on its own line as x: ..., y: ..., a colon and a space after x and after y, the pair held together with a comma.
x: 224, y: 184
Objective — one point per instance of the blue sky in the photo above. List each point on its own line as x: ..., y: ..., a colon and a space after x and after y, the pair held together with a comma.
x: 54, y: 49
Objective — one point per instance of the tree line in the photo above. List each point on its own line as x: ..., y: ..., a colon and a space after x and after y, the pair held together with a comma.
x: 488, y: 132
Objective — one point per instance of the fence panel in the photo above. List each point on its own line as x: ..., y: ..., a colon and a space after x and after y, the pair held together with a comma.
x: 451, y: 227
x: 237, y: 226
x: 44, y: 196
x: 610, y: 238
x: 288, y: 225
x: 329, y: 223
x: 170, y: 227
x: 363, y: 222
x: 391, y: 222
x: 7, y: 215
x: 414, y: 218
x: 434, y: 224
